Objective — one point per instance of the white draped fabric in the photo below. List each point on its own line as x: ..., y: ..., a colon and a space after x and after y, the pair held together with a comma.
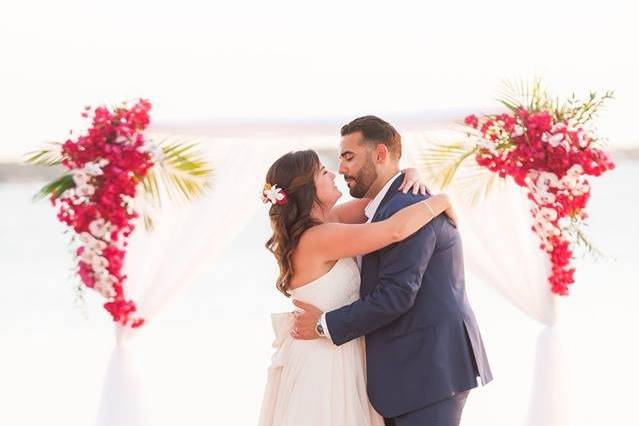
x: 502, y: 251
x: 162, y: 263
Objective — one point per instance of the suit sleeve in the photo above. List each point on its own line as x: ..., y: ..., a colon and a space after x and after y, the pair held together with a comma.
x: 402, y: 268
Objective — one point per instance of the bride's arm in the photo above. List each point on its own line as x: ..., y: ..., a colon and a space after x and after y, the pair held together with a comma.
x: 332, y: 241
x: 349, y: 212
x: 353, y: 211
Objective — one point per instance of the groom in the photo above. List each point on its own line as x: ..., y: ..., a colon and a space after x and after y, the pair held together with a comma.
x: 424, y: 351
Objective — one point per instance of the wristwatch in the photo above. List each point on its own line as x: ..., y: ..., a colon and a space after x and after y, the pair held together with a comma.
x: 319, y: 328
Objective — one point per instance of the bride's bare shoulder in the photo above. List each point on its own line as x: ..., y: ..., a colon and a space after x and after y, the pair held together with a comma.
x: 315, y: 239
x: 313, y: 234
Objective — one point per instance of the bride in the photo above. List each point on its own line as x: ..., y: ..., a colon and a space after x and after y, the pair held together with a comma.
x: 313, y: 382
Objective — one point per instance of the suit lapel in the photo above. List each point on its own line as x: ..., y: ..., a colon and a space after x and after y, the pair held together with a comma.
x: 364, y: 288
x: 389, y: 194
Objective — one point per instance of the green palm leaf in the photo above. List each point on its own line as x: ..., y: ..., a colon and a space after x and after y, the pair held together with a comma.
x: 475, y: 182
x: 579, y: 238
x: 50, y: 156
x: 443, y: 161
x: 55, y: 188
x: 183, y: 171
x: 517, y: 93
x: 584, y: 111
x: 453, y: 166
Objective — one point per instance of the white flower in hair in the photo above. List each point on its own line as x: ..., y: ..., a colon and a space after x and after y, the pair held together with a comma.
x: 274, y: 195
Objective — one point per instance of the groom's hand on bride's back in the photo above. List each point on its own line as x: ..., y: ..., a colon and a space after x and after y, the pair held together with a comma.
x: 306, y: 320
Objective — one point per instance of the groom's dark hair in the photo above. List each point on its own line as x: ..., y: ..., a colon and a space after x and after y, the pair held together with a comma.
x: 376, y: 131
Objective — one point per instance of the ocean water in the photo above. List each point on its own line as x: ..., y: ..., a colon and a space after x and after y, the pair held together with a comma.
x: 205, y: 357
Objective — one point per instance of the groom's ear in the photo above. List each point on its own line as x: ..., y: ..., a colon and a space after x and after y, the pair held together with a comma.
x: 381, y: 153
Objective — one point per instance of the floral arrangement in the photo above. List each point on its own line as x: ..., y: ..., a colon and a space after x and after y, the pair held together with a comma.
x: 95, y: 198
x: 549, y: 148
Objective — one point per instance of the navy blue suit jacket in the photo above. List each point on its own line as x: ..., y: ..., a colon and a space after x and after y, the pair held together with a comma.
x: 422, y: 340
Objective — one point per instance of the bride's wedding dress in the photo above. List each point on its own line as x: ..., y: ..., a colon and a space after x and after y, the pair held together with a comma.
x: 315, y: 383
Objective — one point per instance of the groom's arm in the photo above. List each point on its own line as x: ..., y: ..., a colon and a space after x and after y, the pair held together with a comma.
x: 401, y: 270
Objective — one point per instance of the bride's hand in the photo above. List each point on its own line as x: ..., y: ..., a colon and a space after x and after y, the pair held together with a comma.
x: 450, y: 212
x: 413, y: 182
x: 441, y: 203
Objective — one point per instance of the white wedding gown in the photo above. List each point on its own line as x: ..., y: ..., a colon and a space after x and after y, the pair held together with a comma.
x: 313, y: 382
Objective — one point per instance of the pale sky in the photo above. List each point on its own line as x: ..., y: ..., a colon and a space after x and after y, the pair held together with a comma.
x: 199, y: 61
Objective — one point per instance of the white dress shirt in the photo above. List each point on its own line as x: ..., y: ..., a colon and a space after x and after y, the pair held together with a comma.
x: 369, y: 212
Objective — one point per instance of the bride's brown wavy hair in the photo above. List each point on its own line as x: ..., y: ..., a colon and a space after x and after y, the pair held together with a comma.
x: 295, y: 173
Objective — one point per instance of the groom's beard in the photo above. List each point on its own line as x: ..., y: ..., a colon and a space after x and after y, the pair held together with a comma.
x: 363, y: 180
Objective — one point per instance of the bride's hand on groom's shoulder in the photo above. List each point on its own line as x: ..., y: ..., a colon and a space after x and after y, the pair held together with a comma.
x: 413, y: 182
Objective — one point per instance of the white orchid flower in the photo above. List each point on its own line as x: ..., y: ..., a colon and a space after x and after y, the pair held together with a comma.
x: 85, y: 190
x: 548, y: 214
x: 547, y: 180
x: 91, y: 242
x: 555, y: 140
x: 93, y: 169
x: 273, y: 194
x: 575, y: 170
x: 99, y: 264
x: 544, y: 197
x: 557, y: 127
x: 156, y: 152
x: 87, y: 256
x: 80, y: 177
x: 99, y: 228
x: 105, y: 287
